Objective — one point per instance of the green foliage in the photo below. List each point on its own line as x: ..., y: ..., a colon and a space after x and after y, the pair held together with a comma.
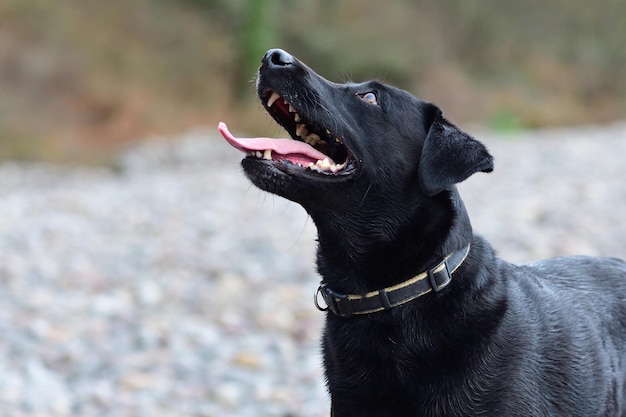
x: 505, y: 120
x: 257, y: 35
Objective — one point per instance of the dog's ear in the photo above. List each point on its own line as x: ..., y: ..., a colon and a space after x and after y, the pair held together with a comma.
x: 449, y: 155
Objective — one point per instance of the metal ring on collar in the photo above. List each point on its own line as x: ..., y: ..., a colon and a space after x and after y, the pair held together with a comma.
x: 316, y: 296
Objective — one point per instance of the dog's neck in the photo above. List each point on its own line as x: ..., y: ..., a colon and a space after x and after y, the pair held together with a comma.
x: 353, y: 257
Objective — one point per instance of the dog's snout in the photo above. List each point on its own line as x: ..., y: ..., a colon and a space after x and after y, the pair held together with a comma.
x: 277, y: 58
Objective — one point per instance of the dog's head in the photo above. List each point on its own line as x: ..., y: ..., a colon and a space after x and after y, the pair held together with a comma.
x: 353, y: 147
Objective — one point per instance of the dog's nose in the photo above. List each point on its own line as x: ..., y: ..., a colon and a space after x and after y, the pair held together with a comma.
x: 277, y: 58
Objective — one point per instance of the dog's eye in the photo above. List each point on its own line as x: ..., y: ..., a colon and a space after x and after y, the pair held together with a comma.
x: 369, y: 97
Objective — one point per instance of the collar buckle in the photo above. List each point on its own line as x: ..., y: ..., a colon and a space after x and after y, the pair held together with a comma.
x: 439, y: 276
x: 336, y: 302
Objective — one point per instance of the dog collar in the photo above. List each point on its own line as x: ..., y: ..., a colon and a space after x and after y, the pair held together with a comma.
x: 433, y: 280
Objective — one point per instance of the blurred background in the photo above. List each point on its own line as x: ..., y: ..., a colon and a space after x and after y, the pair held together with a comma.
x: 78, y: 78
x: 141, y: 274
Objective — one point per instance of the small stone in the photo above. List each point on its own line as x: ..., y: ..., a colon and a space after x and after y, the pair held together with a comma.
x: 248, y: 360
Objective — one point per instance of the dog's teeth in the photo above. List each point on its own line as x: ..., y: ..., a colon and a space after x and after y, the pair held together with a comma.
x: 286, y: 102
x: 312, y: 139
x: 267, y: 154
x: 315, y: 168
x: 324, y: 164
x: 258, y: 154
x: 296, y: 117
x: 272, y: 99
x: 291, y: 109
x: 301, y: 130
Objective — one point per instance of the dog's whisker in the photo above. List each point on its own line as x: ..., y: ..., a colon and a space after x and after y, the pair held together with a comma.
x: 304, y: 225
x: 365, y: 195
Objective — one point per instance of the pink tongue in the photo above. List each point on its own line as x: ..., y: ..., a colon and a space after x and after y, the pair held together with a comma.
x: 293, y: 150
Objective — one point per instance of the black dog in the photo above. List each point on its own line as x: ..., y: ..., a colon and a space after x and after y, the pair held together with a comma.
x: 423, y: 319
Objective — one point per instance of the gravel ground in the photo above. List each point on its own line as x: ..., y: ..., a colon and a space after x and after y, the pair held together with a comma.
x: 171, y: 287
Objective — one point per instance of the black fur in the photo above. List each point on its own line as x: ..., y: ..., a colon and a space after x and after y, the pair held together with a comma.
x: 541, y: 339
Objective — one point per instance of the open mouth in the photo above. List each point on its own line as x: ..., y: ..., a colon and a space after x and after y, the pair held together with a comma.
x: 312, y: 147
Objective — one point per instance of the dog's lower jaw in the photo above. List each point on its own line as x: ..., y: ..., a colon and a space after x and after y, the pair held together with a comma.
x: 267, y: 177
x: 285, y: 180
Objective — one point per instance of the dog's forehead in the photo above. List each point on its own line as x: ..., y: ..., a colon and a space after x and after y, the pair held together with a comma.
x: 390, y: 92
x: 371, y: 85
x: 405, y: 113
x: 401, y: 95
